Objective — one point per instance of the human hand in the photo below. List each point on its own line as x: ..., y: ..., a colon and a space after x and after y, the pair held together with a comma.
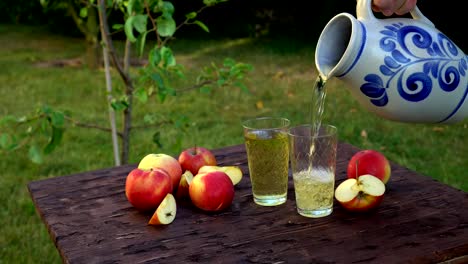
x: 390, y: 7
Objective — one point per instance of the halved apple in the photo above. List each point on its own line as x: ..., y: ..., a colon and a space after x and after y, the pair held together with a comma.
x: 234, y: 172
x: 183, y: 189
x: 166, y: 211
x: 361, y: 194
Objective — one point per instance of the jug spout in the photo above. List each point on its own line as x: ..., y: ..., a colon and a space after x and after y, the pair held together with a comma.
x: 401, y: 69
x: 339, y: 46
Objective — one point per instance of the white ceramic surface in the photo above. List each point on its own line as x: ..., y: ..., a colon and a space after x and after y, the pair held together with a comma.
x: 402, y: 69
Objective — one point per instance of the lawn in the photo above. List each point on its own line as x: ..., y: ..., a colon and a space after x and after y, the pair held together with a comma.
x: 280, y: 85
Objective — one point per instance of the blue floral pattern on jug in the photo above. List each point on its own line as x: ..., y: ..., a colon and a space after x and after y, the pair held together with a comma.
x: 436, y: 60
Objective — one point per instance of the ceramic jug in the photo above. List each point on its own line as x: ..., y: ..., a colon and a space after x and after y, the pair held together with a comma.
x: 402, y: 69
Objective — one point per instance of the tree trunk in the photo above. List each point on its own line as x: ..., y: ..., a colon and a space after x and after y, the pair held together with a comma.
x: 92, y: 44
x: 91, y: 57
x: 127, y: 127
x: 90, y: 29
x: 128, y: 111
x: 104, y: 26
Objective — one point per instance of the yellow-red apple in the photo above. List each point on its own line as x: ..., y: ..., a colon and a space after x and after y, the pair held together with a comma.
x: 166, y: 211
x: 211, y: 191
x: 369, y: 162
x: 165, y: 162
x: 234, y: 172
x: 361, y: 194
x: 145, y: 189
x: 183, y: 189
x: 194, y: 158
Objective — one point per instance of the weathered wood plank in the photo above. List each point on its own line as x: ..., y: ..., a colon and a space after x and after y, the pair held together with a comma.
x: 90, y: 221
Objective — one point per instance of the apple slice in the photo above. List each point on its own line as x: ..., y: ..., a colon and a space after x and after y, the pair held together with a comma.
x: 360, y: 194
x: 234, y: 172
x: 183, y: 189
x: 166, y: 211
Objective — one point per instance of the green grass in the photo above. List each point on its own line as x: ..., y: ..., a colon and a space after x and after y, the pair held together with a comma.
x: 281, y: 82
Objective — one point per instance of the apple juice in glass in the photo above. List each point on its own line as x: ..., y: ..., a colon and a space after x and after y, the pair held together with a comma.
x: 267, y: 146
x: 313, y: 164
x: 314, y: 189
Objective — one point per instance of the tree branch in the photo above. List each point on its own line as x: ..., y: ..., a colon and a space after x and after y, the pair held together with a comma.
x: 186, y: 22
x: 84, y: 125
x: 105, y: 129
x: 148, y: 12
x: 76, y: 18
x: 195, y: 86
x: 153, y: 125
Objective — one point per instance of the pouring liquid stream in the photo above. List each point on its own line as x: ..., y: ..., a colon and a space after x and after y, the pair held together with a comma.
x: 316, y: 111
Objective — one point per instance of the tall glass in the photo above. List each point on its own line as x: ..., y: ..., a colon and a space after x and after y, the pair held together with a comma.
x: 313, y: 164
x: 266, y: 142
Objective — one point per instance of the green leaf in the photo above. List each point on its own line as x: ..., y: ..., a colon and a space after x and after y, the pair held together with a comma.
x: 166, y: 27
x: 35, y: 154
x: 130, y: 7
x: 205, y: 89
x: 57, y: 119
x: 228, y: 62
x: 156, y: 5
x: 152, y: 3
x: 154, y: 57
x: 44, y: 3
x: 168, y: 57
x: 46, y: 109
x: 181, y: 121
x: 44, y: 126
x: 141, y: 95
x: 129, y: 29
x: 117, y: 26
x: 167, y: 9
x: 245, y: 66
x: 7, y: 119
x: 162, y: 94
x: 213, y: 2
x: 4, y: 140
x: 179, y: 71
x: 242, y: 87
x: 158, y: 79
x: 150, y: 90
x: 141, y: 43
x: 191, y: 15
x: 83, y: 12
x: 140, y: 22
x: 171, y: 91
x: 202, y: 26
x: 221, y: 82
x: 210, y: 2
x: 157, y: 139
x: 54, y: 140
x: 119, y: 105
x: 8, y: 142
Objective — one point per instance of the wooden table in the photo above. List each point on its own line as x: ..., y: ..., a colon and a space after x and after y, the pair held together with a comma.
x: 90, y: 221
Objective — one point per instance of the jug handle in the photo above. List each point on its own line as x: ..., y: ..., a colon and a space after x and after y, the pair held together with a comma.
x: 364, y: 12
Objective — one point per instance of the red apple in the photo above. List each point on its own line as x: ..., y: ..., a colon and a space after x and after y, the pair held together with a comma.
x: 145, y: 189
x: 193, y: 159
x: 166, y: 211
x: 183, y: 189
x: 361, y: 194
x: 211, y: 191
x: 163, y: 161
x: 369, y: 162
